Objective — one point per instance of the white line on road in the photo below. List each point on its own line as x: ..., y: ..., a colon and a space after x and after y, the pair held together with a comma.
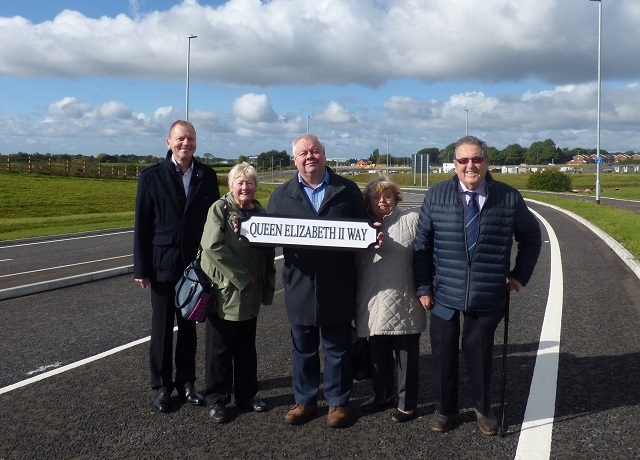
x: 59, y: 240
x: 68, y: 367
x: 82, y: 362
x: 64, y: 266
x: 535, y: 434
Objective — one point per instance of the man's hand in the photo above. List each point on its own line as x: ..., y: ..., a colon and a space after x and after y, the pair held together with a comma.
x: 143, y: 282
x: 514, y: 285
x: 426, y: 301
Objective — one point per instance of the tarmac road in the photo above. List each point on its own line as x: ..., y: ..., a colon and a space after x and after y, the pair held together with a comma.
x: 101, y: 407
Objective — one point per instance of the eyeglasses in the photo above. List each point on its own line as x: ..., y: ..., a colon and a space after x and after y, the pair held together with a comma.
x: 474, y: 160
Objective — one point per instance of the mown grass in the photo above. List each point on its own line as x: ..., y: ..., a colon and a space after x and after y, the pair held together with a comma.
x: 620, y: 224
x: 34, y: 205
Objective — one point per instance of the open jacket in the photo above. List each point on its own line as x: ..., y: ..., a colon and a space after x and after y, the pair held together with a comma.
x: 442, y: 267
x: 169, y: 224
x: 244, y: 275
x: 319, y: 284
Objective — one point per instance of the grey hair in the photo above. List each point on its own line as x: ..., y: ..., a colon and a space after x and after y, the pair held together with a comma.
x: 310, y: 137
x: 472, y: 140
x: 244, y: 170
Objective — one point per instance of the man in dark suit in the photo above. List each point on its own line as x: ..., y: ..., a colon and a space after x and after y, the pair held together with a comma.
x: 462, y: 263
x: 319, y: 285
x: 172, y: 202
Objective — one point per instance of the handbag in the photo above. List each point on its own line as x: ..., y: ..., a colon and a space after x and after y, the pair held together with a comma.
x: 360, y: 356
x: 194, y: 292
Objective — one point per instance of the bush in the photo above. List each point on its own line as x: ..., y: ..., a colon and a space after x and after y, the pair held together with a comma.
x: 550, y: 180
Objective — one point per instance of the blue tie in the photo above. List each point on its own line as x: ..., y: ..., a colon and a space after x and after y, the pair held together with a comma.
x: 471, y: 222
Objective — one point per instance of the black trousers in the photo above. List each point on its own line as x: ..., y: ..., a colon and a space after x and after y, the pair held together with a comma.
x: 164, y: 314
x: 406, y: 348
x: 477, y: 344
x: 231, y: 362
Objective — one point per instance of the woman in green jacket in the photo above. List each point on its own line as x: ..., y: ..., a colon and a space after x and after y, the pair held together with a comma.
x: 245, y: 278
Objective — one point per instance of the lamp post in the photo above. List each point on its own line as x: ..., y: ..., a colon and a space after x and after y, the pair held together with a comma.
x: 387, y: 153
x: 466, y: 125
x: 188, y: 63
x: 308, y: 116
x: 598, y: 159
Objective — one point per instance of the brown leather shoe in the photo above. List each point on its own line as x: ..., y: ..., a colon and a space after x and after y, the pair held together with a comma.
x: 300, y: 413
x: 488, y: 424
x: 338, y: 416
x: 441, y: 423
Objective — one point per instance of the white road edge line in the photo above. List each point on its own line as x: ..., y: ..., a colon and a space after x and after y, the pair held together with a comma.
x: 534, y: 442
x: 77, y: 264
x: 82, y: 362
x: 33, y: 243
x: 71, y: 366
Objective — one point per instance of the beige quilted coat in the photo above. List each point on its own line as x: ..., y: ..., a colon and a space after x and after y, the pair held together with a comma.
x: 386, y: 300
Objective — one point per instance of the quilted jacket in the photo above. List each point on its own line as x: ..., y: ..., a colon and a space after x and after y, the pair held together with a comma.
x: 442, y: 267
x: 386, y: 300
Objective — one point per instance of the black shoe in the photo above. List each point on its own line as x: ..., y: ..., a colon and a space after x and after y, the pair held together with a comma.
x: 162, y: 401
x: 189, y: 394
x: 218, y: 413
x: 401, y: 417
x: 252, y: 405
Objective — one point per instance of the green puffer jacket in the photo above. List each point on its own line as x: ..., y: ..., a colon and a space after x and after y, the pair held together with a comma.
x: 232, y: 264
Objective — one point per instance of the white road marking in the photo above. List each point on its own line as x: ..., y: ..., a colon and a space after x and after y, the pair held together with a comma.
x: 64, y: 266
x: 71, y: 366
x: 59, y: 240
x: 537, y: 428
x: 82, y: 362
x: 44, y: 368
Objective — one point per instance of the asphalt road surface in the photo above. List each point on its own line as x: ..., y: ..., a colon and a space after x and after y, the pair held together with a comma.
x: 74, y: 368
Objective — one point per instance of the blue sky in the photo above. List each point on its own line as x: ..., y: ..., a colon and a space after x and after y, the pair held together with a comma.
x: 86, y: 77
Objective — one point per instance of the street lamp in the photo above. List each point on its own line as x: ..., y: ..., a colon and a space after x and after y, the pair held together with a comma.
x: 387, y: 153
x: 188, y: 62
x: 598, y: 159
x: 308, y: 116
x: 466, y: 125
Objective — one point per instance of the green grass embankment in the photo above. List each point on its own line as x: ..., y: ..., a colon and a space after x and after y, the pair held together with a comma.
x: 34, y: 205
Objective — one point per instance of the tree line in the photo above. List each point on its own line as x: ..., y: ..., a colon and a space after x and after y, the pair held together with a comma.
x: 539, y: 152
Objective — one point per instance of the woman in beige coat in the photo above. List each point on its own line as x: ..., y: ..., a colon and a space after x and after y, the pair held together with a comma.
x: 388, y: 312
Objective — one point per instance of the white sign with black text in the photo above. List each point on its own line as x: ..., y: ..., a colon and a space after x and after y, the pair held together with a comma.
x: 319, y: 232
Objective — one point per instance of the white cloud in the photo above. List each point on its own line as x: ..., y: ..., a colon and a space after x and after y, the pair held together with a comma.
x: 254, y: 108
x: 252, y: 49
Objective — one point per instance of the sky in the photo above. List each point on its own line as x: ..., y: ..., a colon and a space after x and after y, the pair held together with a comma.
x: 89, y: 77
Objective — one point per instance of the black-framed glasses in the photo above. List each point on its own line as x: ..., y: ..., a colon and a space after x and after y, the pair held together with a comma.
x: 474, y: 160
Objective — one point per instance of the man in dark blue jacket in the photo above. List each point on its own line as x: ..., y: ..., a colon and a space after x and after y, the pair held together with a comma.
x: 462, y: 263
x: 172, y: 202
x: 319, y: 284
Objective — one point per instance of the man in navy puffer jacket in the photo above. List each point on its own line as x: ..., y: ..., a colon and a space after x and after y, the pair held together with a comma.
x: 451, y: 277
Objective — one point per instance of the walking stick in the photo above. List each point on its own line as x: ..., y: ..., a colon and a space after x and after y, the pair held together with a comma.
x: 501, y: 429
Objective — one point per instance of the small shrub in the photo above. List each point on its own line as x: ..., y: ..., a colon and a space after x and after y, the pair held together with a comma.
x: 550, y: 180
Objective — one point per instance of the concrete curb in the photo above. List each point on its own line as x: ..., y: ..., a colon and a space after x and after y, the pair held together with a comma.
x: 620, y: 250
